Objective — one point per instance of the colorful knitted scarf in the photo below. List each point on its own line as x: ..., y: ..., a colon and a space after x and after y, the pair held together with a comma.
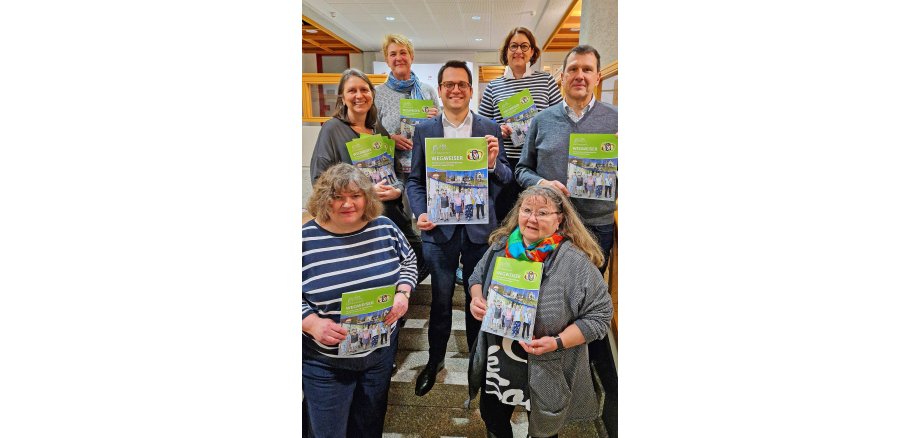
x: 412, y: 84
x: 536, y: 252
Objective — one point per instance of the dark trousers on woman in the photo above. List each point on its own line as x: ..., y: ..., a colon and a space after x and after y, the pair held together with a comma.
x: 333, y: 395
x: 507, y: 196
x: 395, y: 211
x: 496, y: 415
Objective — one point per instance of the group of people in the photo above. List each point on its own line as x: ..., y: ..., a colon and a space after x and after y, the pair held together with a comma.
x: 591, y: 184
x: 365, y: 338
x: 511, y: 319
x: 456, y: 205
x: 361, y: 237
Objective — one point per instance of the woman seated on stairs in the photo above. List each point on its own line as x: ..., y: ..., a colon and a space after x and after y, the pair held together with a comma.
x: 550, y: 376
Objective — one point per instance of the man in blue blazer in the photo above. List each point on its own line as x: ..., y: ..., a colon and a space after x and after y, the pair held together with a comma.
x: 447, y: 245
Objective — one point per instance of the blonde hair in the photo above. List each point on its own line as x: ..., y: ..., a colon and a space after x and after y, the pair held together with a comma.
x: 395, y: 38
x: 571, y: 225
x: 337, y: 179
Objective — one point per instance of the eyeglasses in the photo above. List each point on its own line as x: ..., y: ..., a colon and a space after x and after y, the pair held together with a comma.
x: 524, y: 47
x: 540, y: 215
x: 450, y: 85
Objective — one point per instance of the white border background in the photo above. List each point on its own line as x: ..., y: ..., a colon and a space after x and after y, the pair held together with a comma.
x: 150, y: 179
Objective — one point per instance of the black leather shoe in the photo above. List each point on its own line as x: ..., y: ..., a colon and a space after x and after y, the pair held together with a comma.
x: 427, y: 378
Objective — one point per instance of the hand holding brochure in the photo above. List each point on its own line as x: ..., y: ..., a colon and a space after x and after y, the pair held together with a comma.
x: 513, y: 295
x: 458, y: 180
x: 518, y: 110
x: 592, y: 166
x: 373, y: 154
x: 411, y: 112
x: 362, y: 316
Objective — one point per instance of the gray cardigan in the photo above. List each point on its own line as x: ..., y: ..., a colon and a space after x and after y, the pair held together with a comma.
x: 560, y: 383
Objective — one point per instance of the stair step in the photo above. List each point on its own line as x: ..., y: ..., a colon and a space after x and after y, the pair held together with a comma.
x: 416, y: 339
x: 410, y: 421
x: 450, y: 391
x: 422, y: 295
x: 417, y: 317
x: 434, y: 421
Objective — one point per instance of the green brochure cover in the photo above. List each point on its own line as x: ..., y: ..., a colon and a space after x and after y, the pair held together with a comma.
x: 391, y: 144
x: 512, y: 298
x: 411, y: 112
x: 458, y: 180
x: 592, y: 166
x: 371, y: 154
x: 362, y: 316
x: 518, y: 110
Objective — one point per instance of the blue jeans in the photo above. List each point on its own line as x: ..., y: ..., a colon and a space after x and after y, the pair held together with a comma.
x: 333, y: 395
x: 443, y: 259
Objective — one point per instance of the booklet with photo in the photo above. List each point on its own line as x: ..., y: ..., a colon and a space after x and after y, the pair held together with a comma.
x: 411, y: 112
x: 458, y: 180
x: 513, y: 295
x: 517, y: 111
x: 373, y: 155
x: 362, y: 316
x: 592, y: 169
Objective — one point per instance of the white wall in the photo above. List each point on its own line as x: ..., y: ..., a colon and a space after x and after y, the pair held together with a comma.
x: 309, y: 134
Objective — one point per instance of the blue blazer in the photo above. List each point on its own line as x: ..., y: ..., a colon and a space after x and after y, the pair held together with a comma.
x: 416, y: 188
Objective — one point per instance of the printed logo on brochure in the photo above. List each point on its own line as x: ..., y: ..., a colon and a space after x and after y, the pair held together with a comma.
x: 473, y: 154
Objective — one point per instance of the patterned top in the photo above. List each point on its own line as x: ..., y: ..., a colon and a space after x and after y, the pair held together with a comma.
x: 542, y: 87
x: 374, y: 256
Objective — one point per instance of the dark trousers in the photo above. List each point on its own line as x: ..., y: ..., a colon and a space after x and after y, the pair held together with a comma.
x: 395, y: 211
x: 599, y: 351
x: 344, y: 403
x: 443, y: 259
x: 496, y: 415
x: 507, y: 196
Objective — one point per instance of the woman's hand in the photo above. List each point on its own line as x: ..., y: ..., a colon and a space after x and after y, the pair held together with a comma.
x: 386, y: 192
x: 400, y: 306
x: 402, y: 143
x: 324, y: 330
x: 478, y: 303
x: 506, y: 130
x: 539, y: 346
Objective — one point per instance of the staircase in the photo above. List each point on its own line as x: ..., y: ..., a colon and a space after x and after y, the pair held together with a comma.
x: 441, y: 413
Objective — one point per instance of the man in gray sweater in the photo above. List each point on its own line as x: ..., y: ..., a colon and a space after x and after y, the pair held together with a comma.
x: 544, y: 158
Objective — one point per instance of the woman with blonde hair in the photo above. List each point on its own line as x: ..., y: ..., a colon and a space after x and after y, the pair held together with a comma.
x: 348, y: 247
x: 550, y: 376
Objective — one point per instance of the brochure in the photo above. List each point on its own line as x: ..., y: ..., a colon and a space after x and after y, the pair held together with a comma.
x: 411, y: 112
x: 513, y: 295
x: 592, y: 166
x: 373, y: 155
x: 518, y: 110
x: 362, y: 315
x: 458, y: 180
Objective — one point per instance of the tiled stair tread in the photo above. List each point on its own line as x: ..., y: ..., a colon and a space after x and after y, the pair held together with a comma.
x: 422, y: 295
x: 417, y: 317
x: 417, y: 339
x: 435, y: 421
x: 410, y: 363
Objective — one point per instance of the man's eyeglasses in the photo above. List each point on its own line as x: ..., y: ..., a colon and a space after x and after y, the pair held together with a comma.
x: 450, y: 85
x: 523, y: 47
x: 540, y: 214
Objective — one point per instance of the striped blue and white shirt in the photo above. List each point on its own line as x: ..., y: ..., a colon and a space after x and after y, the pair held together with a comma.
x: 542, y: 87
x: 374, y: 256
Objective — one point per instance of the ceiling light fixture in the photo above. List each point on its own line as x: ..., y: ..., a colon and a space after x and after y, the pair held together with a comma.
x: 311, y: 31
x: 478, y: 39
x: 390, y: 18
x: 476, y: 17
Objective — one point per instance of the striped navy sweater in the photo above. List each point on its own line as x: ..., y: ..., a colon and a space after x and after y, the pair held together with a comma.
x: 542, y: 87
x: 374, y: 256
